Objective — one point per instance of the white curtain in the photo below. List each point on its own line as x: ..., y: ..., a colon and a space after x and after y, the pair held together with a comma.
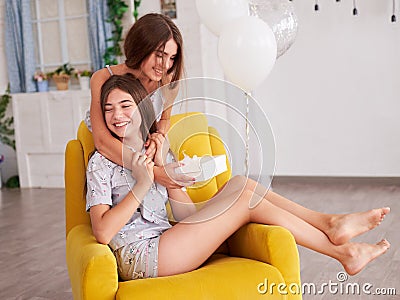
x: 99, y: 31
x: 19, y: 46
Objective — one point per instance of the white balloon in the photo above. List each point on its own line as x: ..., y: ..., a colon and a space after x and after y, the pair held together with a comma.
x: 247, y: 51
x: 281, y: 17
x: 216, y: 13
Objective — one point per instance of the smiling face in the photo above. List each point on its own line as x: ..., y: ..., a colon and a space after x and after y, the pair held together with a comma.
x: 160, y: 61
x: 127, y: 111
x: 122, y: 115
x: 148, y: 34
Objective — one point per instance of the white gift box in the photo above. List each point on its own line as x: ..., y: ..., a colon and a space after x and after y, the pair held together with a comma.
x: 202, y: 168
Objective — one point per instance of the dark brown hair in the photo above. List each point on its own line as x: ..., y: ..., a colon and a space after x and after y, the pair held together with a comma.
x: 131, y: 85
x: 148, y: 34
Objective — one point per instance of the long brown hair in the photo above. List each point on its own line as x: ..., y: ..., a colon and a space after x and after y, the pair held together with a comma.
x: 131, y: 85
x: 150, y: 33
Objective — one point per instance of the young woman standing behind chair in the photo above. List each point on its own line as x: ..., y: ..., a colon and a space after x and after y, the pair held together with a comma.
x: 154, y: 54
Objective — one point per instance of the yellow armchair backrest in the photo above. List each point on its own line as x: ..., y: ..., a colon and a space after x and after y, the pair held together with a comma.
x: 189, y: 133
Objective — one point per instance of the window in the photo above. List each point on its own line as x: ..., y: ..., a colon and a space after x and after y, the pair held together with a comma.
x: 60, y: 33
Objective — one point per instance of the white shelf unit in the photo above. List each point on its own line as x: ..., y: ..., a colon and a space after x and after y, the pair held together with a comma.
x: 44, y: 123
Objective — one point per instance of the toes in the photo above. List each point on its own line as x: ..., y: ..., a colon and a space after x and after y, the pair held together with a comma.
x: 385, y: 210
x: 387, y: 243
x: 384, y: 243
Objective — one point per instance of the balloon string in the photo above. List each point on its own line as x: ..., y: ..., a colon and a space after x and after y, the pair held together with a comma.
x: 246, y: 159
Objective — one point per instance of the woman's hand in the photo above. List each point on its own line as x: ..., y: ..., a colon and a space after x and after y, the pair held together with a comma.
x: 162, y: 148
x: 151, y: 147
x: 142, y: 169
x: 167, y: 177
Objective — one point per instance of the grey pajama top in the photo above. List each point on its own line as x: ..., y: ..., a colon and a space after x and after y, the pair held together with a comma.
x: 108, y: 183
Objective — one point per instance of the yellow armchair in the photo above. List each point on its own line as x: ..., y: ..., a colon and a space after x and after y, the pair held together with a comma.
x: 252, y: 264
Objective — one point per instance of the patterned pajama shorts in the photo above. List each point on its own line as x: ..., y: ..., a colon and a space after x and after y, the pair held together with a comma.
x: 138, y: 260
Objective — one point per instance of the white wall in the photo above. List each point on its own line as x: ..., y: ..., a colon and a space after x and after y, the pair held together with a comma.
x: 333, y: 99
x: 189, y: 25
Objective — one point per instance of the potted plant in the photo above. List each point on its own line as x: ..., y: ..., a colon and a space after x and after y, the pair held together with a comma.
x: 42, y: 83
x: 6, y: 123
x: 62, y: 75
x: 7, y: 133
x: 84, y: 78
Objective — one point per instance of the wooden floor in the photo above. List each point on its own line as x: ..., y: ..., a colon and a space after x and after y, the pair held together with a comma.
x: 339, y: 196
x: 32, y: 238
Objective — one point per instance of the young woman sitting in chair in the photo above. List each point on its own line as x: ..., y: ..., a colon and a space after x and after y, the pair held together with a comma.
x: 128, y: 209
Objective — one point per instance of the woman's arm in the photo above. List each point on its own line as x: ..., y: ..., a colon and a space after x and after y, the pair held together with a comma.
x: 107, y: 221
x: 167, y: 177
x: 169, y: 94
x: 164, y: 124
x: 181, y: 204
x: 165, y: 172
x: 104, y: 142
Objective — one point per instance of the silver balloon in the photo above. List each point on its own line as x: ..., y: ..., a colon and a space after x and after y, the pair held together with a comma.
x: 280, y: 16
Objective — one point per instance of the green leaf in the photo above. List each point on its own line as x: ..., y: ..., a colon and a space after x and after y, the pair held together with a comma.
x: 13, y: 182
x: 117, y: 9
x: 6, y: 130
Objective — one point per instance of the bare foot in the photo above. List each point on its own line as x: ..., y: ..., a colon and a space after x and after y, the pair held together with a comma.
x: 345, y: 227
x: 359, y: 255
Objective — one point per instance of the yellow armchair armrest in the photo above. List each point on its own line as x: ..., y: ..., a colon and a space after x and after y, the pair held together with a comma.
x: 274, y: 245
x: 92, y: 266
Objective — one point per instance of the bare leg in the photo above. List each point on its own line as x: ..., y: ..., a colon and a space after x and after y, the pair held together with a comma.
x: 353, y: 256
x: 339, y: 228
x: 187, y: 245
